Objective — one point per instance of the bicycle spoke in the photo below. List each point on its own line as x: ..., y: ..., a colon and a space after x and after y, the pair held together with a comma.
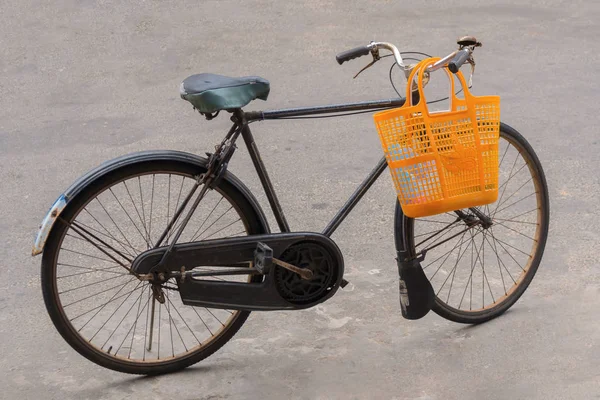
x: 114, y: 312
x: 210, y: 312
x: 90, y: 296
x: 516, y: 202
x: 86, y: 241
x: 206, y: 219
x: 168, y: 209
x: 504, y: 155
x: 143, y: 212
x: 501, y: 242
x: 512, y: 176
x: 121, y: 321
x: 101, y: 306
x: 222, y: 229
x: 111, y: 218
x: 128, y: 216
x: 448, y: 256
x: 432, y: 221
x: 90, y: 270
x: 470, y: 280
x: 520, y: 233
x: 453, y: 270
x: 133, y: 334
x: 509, y: 174
x: 235, y: 234
x: 151, y: 206
x: 123, y: 245
x: 221, y: 216
x: 183, y: 320
x: 94, y: 270
x: 88, y: 255
x: 484, y: 274
x: 501, y: 262
x: 176, y: 208
x: 515, y: 221
x: 453, y: 274
x: 75, y: 226
x: 516, y: 191
x: 204, y: 323
x: 107, y: 231
x: 440, y: 257
x: 498, y: 259
x: 446, y: 229
x: 520, y: 215
x: 176, y: 329
x: 137, y: 212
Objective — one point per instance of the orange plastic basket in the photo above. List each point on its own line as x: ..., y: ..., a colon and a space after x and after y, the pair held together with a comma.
x: 442, y: 161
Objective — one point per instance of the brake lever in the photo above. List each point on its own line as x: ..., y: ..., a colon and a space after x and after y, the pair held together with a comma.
x: 376, y: 57
x: 471, y: 61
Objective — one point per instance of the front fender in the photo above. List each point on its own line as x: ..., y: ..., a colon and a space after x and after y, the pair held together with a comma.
x: 159, y: 155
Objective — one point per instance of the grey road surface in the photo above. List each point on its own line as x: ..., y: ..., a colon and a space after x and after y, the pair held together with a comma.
x: 85, y: 81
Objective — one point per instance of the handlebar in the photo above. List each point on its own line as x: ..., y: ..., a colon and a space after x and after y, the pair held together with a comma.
x: 459, y: 59
x: 352, y: 54
x: 453, y: 60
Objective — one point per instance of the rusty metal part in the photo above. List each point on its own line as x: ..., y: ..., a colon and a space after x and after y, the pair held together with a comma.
x: 49, y: 220
x: 158, y: 293
x: 304, y: 273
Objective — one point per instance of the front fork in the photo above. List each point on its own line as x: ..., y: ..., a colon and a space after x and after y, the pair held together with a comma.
x: 470, y: 220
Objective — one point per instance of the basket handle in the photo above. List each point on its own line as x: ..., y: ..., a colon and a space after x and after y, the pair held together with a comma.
x: 420, y: 70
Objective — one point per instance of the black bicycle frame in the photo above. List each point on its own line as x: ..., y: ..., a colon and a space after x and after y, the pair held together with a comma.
x: 244, y: 118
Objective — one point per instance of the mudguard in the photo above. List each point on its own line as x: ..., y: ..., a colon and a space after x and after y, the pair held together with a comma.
x: 417, y: 296
x: 158, y: 155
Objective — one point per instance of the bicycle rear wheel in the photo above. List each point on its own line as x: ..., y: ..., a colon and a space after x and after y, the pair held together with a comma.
x: 478, y: 273
x: 106, y: 312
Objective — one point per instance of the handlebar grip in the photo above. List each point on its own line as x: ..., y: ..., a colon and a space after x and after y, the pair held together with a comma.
x: 351, y: 54
x: 458, y: 60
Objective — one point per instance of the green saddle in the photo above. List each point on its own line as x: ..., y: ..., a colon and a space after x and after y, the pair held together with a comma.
x: 210, y: 93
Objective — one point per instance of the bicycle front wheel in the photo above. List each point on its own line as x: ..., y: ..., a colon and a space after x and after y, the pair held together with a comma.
x: 479, y: 272
x: 106, y: 312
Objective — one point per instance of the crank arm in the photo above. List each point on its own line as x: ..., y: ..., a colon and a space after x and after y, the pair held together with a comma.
x: 304, y: 273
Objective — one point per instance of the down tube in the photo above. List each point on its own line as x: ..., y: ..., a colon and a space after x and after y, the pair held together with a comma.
x: 355, y: 198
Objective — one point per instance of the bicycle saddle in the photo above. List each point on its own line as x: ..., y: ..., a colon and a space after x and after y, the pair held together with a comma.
x: 210, y: 92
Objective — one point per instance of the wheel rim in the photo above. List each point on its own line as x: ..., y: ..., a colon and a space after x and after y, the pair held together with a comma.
x: 109, y: 309
x: 480, y: 269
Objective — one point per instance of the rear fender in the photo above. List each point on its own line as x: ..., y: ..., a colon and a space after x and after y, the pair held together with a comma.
x: 107, y: 167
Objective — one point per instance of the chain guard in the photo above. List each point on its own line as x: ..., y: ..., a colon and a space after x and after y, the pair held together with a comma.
x: 327, y: 274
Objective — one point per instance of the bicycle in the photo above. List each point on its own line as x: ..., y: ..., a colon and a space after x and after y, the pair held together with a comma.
x: 153, y: 261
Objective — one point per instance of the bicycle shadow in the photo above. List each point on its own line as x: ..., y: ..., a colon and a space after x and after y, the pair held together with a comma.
x: 475, y: 327
x: 208, y: 372
x: 142, y: 386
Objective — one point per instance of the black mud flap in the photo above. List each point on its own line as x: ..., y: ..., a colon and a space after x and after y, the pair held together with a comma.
x: 416, y: 294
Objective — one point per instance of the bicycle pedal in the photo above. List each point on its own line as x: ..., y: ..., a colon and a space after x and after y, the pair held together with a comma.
x: 344, y: 283
x: 263, y: 258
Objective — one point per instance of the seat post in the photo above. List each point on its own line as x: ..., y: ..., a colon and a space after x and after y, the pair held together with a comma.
x: 261, y: 170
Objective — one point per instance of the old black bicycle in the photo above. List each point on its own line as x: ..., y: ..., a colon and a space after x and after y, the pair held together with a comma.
x: 154, y: 260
